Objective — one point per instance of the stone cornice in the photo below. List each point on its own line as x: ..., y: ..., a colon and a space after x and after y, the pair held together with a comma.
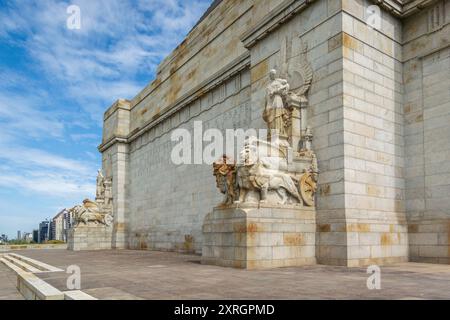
x: 166, y: 63
x: 119, y: 104
x: 403, y: 8
x: 105, y: 146
x: 217, y: 79
x: 289, y: 8
x: 282, y: 13
x: 273, y: 20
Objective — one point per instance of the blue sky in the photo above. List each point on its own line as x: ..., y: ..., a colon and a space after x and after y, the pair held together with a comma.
x: 55, y: 84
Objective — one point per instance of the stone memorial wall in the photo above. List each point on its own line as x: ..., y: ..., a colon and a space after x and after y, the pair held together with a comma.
x: 378, y: 86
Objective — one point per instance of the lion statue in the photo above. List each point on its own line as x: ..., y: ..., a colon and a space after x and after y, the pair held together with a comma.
x: 90, y: 211
x: 261, y: 173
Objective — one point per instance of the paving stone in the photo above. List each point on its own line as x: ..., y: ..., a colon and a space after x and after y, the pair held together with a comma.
x: 126, y: 274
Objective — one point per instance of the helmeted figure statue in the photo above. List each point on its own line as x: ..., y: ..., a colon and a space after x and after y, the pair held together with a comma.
x: 100, y: 185
x: 275, y: 113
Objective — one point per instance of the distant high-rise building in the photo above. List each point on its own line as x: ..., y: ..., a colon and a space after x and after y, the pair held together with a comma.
x: 69, y: 221
x: 19, y: 235
x: 27, y: 237
x: 52, y: 231
x: 44, y: 231
x: 59, y: 225
x: 36, y: 236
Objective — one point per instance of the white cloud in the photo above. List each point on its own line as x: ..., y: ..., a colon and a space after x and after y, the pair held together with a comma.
x: 35, y: 171
x: 84, y: 136
x: 55, y: 186
x: 30, y: 157
x: 20, y: 116
x: 69, y: 79
x: 117, y: 41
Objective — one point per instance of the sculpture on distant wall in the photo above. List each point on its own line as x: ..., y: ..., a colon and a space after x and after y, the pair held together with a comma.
x: 100, y: 184
x: 104, y: 190
x: 90, y: 211
x: 100, y: 211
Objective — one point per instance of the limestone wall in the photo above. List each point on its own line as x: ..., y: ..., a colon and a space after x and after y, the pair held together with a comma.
x: 319, y: 29
x: 427, y: 132
x: 356, y: 116
x: 208, y: 48
x: 373, y: 137
x: 379, y: 104
x: 161, y: 205
x: 168, y: 202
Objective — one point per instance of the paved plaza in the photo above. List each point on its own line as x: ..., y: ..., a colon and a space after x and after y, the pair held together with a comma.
x: 8, y: 282
x: 128, y: 274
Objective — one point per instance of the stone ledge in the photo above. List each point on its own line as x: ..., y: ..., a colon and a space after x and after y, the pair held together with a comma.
x: 21, y: 264
x: 219, y: 78
x: 77, y: 295
x: 261, y: 264
x: 33, y: 288
x: 32, y: 246
x: 43, y: 267
x: 403, y: 9
x: 375, y: 261
x: 273, y: 20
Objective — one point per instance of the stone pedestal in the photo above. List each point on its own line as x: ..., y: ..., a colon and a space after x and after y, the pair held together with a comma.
x: 90, y: 237
x: 258, y: 237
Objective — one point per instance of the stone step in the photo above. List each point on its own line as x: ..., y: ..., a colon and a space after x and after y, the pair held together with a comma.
x: 43, y: 267
x: 30, y: 286
x: 11, y: 265
x: 33, y: 288
x: 24, y: 266
x: 77, y: 295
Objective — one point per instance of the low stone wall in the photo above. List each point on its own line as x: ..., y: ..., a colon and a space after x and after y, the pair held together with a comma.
x: 33, y: 247
x: 33, y: 288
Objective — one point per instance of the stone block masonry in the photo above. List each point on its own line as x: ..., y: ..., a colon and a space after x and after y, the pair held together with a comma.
x: 258, y: 238
x: 90, y: 238
x: 378, y: 112
x: 426, y: 75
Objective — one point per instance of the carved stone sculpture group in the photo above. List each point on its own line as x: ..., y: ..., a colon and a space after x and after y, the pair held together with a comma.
x: 98, y: 212
x: 256, y: 176
x: 282, y: 170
